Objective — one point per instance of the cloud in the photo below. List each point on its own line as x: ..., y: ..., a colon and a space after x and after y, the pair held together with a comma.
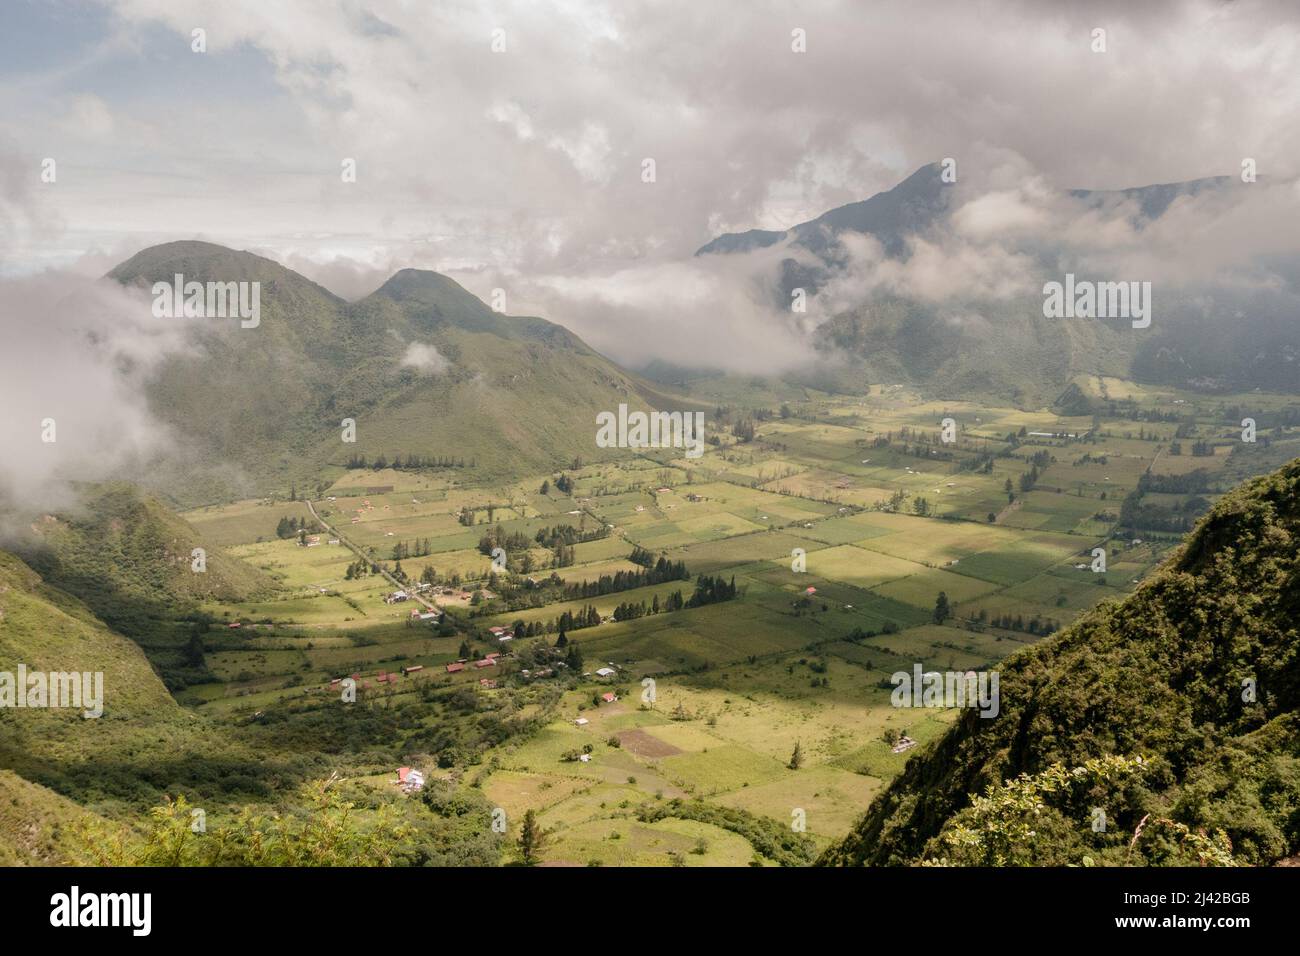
x: 76, y: 352
x: 425, y: 359
x: 529, y: 159
x: 522, y: 168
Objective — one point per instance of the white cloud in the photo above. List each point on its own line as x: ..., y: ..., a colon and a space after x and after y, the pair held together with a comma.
x: 425, y: 359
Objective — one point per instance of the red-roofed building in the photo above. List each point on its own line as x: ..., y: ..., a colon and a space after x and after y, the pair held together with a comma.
x: 609, y: 698
x: 455, y: 668
x: 486, y: 662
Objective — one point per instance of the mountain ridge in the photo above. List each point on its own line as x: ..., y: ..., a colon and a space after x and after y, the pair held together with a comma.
x: 272, y: 399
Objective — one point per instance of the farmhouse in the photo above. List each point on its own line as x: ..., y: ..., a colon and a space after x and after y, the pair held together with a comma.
x: 396, y: 597
x: 408, y: 671
x: 486, y: 662
x: 606, y: 672
x: 582, y: 721
x: 455, y: 668
x: 487, y: 683
x: 904, y: 743
x: 411, y: 781
x: 609, y: 698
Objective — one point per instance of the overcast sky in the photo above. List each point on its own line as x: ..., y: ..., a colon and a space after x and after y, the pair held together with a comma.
x: 530, y: 159
x: 523, y: 168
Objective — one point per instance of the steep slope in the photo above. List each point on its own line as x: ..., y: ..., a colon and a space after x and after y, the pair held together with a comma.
x: 40, y: 828
x: 502, y: 393
x: 46, y: 630
x: 1197, y: 673
x: 129, y: 558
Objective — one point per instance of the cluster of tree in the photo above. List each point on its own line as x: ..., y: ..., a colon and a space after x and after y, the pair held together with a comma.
x: 896, y: 500
x: 1192, y: 483
x: 1029, y: 479
x: 359, y: 569
x: 564, y: 485
x: 1135, y: 513
x: 641, y: 556
x: 663, y: 570
x: 1037, y: 624
x: 409, y: 463
x: 567, y: 534
x: 1264, y: 418
x: 981, y: 463
x: 497, y: 537
x: 418, y: 549
x: 711, y: 590
x: 770, y: 838
x: 743, y: 430
x: 291, y: 527
x: 576, y: 620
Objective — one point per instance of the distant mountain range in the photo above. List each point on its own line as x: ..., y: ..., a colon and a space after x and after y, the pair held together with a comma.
x: 425, y: 368
x: 985, y: 345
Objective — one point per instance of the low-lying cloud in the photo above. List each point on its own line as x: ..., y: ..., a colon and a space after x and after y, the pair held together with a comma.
x: 425, y: 359
x: 76, y: 352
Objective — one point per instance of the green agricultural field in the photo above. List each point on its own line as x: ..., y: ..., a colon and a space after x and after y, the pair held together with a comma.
x: 740, y: 683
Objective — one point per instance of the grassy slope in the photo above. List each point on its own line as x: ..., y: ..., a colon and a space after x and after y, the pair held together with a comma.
x: 40, y: 828
x: 128, y: 557
x: 263, y: 406
x: 48, y: 630
x: 1157, y: 675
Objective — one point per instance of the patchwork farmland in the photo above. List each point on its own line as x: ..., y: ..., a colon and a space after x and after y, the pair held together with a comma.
x: 644, y: 727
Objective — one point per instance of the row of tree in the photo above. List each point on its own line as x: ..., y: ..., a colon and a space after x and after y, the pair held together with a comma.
x: 409, y: 463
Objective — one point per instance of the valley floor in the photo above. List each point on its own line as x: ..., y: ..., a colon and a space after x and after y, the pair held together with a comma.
x: 841, y: 523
